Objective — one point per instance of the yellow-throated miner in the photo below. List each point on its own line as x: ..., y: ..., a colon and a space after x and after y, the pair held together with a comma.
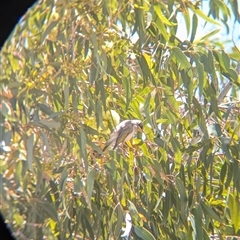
x: 124, y: 131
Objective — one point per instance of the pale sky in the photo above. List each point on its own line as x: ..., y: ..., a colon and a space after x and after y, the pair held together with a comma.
x: 234, y: 30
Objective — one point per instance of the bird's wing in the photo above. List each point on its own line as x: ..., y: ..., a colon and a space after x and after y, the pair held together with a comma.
x: 123, y: 132
x: 111, y: 140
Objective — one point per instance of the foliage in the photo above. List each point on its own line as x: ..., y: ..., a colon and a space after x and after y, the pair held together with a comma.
x: 69, y: 70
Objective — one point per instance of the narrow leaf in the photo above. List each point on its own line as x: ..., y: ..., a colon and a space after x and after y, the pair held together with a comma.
x: 162, y: 18
x: 194, y: 27
x: 181, y: 58
x: 198, y: 221
x: 49, y: 29
x: 200, y: 13
x: 90, y: 183
x: 30, y: 151
x: 49, y: 209
x: 234, y: 206
x: 143, y: 233
x: 63, y: 180
x: 209, y: 212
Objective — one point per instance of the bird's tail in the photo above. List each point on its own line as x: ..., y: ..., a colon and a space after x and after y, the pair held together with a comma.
x: 108, y: 144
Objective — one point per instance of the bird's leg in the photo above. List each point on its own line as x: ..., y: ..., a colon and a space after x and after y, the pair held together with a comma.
x: 123, y: 148
x: 120, y: 148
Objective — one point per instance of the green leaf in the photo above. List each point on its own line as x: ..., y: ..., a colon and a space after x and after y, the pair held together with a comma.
x: 207, y: 61
x: 86, y: 47
x: 197, y: 211
x: 225, y: 147
x: 219, y: 58
x: 183, y: 199
x: 234, y: 207
x: 48, y: 208
x: 197, y: 146
x: 133, y: 210
x: 167, y: 202
x: 45, y: 142
x: 200, y: 70
x: 90, y: 183
x: 181, y: 58
x: 201, y: 118
x: 82, y: 142
x: 142, y: 59
x: 30, y: 142
x: 78, y: 184
x: 234, y: 6
x: 187, y: 20
x: 193, y: 224
x: 81, y: 66
x: 232, y: 75
x: 200, y: 13
x: 49, y: 28
x: 94, y: 146
x: 160, y: 15
x: 49, y: 123
x: 162, y: 29
x: 147, y: 108
x: 128, y: 91
x: 182, y: 189
x: 94, y: 72
x: 143, y: 233
x: 223, y: 172
x: 98, y: 113
x: 207, y: 36
x: 43, y: 107
x: 209, y: 212
x: 194, y: 27
x: 226, y: 60
x: 66, y: 95
x: 177, y: 151
x: 63, y: 180
x: 118, y: 225
x: 88, y: 226
x: 136, y: 219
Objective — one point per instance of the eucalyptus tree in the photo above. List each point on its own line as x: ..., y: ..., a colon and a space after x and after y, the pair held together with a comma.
x: 71, y: 71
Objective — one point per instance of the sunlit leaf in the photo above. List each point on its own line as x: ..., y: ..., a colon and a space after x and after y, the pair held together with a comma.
x: 200, y: 13
x: 161, y: 16
x: 234, y: 206
x: 207, y: 36
x: 49, y: 28
x: 71, y: 72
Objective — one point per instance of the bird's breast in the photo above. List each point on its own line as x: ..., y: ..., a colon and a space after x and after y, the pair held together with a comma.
x: 129, y: 136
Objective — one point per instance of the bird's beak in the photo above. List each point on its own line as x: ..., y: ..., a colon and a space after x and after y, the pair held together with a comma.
x: 140, y: 128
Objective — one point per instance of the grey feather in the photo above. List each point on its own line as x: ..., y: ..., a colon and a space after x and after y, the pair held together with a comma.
x: 124, y: 131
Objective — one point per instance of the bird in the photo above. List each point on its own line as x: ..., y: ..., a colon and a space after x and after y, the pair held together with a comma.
x: 123, y: 132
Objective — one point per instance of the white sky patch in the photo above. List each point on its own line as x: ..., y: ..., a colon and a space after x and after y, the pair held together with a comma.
x: 203, y: 29
x: 128, y: 227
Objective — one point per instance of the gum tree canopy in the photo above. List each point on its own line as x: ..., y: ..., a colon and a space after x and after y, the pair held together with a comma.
x: 71, y: 70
